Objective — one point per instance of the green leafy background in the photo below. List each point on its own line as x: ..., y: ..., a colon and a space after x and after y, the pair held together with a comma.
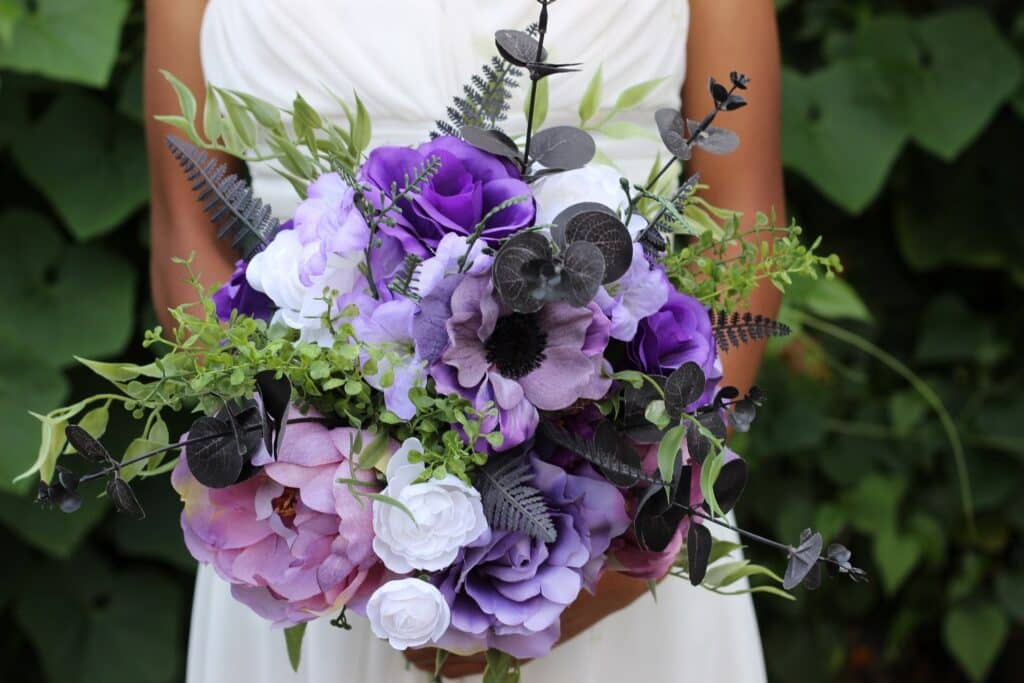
x: 902, y: 137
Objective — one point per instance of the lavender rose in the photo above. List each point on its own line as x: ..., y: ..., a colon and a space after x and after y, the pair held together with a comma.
x: 468, y: 184
x: 508, y: 591
x: 678, y: 333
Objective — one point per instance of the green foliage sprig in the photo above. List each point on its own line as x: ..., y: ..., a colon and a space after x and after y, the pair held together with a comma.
x: 303, y: 143
x: 724, y: 265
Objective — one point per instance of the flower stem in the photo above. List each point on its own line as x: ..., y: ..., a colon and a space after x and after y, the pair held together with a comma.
x: 542, y: 28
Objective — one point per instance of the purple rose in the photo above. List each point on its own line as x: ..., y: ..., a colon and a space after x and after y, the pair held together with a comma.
x: 508, y: 591
x: 238, y: 295
x: 468, y: 184
x: 678, y: 333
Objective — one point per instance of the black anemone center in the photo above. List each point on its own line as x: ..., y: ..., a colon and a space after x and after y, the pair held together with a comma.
x: 516, y: 347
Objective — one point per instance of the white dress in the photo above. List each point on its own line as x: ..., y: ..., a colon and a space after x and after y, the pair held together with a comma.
x: 405, y: 59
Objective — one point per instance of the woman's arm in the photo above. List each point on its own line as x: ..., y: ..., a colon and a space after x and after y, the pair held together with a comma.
x: 725, y: 35
x: 740, y: 35
x: 178, y: 225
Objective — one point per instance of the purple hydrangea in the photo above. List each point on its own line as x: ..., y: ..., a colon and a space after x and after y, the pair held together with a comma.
x: 678, y: 333
x: 468, y: 184
x: 508, y: 591
x: 522, y: 362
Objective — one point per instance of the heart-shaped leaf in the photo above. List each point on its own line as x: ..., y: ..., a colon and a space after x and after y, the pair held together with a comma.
x: 563, y: 147
x: 90, y: 163
x: 698, y: 550
x: 608, y: 234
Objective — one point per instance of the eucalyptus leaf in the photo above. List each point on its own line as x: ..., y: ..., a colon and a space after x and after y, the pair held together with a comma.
x: 698, y: 550
x: 584, y: 269
x: 123, y: 498
x: 490, y: 140
x: 562, y: 147
x: 518, y: 47
x: 684, y: 386
x: 215, y: 462
x: 672, y: 132
x: 609, y: 235
x: 802, y: 559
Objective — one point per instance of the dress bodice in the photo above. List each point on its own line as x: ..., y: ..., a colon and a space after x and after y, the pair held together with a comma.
x: 407, y: 58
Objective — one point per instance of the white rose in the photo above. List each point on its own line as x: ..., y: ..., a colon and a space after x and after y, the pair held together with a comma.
x: 595, y: 183
x: 408, y: 612
x: 448, y: 516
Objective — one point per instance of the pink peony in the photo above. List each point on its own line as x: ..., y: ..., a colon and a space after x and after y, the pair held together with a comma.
x: 292, y: 542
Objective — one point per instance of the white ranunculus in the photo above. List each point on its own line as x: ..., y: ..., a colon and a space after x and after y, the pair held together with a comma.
x: 448, y: 516
x: 408, y: 613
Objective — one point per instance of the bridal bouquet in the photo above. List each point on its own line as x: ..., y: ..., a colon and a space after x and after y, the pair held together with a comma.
x: 464, y: 380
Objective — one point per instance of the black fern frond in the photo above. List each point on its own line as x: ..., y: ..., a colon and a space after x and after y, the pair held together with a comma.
x: 484, y: 100
x: 404, y: 282
x: 510, y: 502
x: 227, y: 199
x: 603, y: 450
x: 733, y: 329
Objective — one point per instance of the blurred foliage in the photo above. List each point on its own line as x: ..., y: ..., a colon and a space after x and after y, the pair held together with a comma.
x: 900, y: 123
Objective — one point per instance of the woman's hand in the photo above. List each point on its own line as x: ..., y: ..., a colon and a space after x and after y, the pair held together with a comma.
x: 614, y: 592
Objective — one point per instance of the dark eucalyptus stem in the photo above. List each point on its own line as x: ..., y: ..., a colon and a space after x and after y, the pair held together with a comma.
x: 116, y: 466
x: 542, y: 29
x: 701, y: 127
x: 788, y: 549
